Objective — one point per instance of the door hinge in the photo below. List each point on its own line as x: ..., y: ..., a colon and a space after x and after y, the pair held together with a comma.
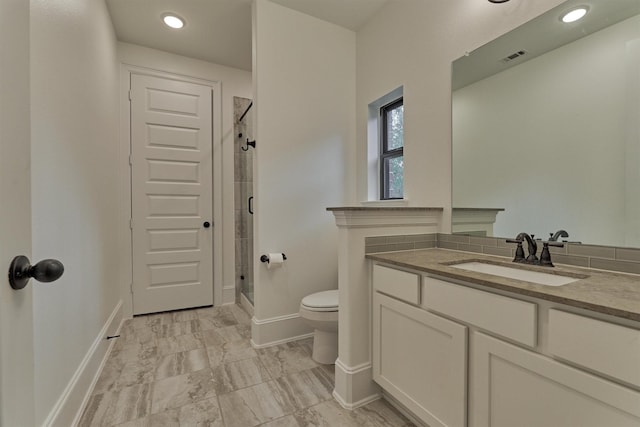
x: 131, y: 223
x: 130, y: 159
x: 130, y: 96
x: 131, y: 287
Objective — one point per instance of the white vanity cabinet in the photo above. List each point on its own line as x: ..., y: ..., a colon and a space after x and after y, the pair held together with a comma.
x: 419, y: 358
x: 457, y: 355
x: 511, y: 386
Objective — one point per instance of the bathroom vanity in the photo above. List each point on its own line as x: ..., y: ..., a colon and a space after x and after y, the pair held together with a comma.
x: 465, y: 348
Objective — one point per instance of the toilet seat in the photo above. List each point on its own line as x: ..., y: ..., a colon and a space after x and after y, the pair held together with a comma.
x: 321, y: 301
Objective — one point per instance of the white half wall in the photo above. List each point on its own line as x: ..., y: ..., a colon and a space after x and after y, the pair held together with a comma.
x: 74, y: 154
x: 412, y: 44
x: 304, y: 94
x: 234, y: 82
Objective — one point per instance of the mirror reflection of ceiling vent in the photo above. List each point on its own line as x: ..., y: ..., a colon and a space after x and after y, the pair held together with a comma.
x: 514, y: 55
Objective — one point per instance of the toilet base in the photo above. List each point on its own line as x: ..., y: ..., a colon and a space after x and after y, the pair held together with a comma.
x: 325, y: 347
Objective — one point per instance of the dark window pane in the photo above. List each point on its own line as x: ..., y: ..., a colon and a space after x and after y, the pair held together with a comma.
x: 391, y: 150
x: 395, y: 135
x: 396, y: 175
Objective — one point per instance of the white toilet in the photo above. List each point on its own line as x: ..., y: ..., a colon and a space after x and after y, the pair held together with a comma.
x: 320, y: 311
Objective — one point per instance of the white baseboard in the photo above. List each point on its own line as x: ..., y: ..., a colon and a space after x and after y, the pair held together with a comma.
x: 355, y: 405
x: 246, y: 304
x: 354, y: 386
x: 68, y: 409
x: 278, y: 330
x: 283, y: 341
x: 228, y: 295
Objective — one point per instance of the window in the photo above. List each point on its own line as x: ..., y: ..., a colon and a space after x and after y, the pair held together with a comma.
x: 391, y: 150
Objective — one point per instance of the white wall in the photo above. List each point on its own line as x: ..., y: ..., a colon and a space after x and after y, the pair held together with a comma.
x: 412, y: 43
x: 234, y: 82
x: 74, y: 125
x: 304, y: 71
x: 558, y: 160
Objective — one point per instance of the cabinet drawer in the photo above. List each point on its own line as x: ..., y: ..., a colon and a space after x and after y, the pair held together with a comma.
x: 397, y: 283
x: 604, y: 347
x: 504, y: 316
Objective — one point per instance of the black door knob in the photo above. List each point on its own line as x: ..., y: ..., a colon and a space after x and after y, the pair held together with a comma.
x: 206, y: 224
x: 21, y: 270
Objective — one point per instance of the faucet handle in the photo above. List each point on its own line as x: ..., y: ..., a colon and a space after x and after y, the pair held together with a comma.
x: 554, y: 243
x: 519, y: 257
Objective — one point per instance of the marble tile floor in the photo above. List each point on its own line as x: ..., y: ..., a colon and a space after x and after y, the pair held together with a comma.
x: 197, y: 368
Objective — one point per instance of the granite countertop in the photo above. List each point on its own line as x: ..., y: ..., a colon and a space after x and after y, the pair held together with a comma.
x: 615, y: 294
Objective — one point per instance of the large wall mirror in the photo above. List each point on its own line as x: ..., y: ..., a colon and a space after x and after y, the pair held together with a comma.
x: 546, y: 124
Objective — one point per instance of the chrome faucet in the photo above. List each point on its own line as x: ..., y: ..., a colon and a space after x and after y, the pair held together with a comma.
x: 559, y: 233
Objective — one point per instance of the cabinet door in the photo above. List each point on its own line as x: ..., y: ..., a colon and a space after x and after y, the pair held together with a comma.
x: 510, y: 386
x: 420, y: 359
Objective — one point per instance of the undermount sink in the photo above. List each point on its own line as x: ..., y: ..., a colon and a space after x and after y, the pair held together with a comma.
x: 516, y: 273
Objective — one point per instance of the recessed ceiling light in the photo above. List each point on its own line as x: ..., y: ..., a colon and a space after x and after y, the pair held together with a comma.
x: 173, y: 21
x: 574, y: 15
x: 498, y: 1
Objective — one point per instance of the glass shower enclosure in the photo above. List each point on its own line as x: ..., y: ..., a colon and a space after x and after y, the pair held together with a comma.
x: 243, y: 194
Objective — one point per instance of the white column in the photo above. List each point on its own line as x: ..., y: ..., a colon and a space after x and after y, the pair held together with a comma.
x: 354, y: 385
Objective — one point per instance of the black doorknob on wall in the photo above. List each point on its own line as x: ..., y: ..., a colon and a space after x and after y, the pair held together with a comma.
x: 21, y: 270
x: 206, y: 224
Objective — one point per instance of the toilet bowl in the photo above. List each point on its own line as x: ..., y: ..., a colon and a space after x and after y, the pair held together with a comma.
x: 320, y: 311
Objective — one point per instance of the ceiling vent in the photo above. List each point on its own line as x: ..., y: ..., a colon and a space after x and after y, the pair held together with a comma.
x: 514, y: 55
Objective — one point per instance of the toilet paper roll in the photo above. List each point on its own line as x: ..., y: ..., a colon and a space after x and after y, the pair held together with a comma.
x: 275, y: 260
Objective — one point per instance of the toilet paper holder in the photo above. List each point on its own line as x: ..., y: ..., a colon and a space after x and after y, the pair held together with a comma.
x: 265, y: 258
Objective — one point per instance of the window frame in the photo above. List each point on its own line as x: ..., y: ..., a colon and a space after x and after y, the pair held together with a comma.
x: 384, y: 153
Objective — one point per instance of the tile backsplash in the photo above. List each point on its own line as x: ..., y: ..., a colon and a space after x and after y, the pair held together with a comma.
x: 626, y: 260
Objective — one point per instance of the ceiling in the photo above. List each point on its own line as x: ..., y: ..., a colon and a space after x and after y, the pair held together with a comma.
x: 539, y: 36
x: 219, y: 31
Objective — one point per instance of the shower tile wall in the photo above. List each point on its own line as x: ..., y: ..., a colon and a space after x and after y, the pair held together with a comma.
x: 243, y: 189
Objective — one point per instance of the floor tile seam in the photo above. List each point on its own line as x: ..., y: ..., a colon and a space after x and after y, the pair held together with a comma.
x: 320, y: 399
x: 294, y: 402
x: 224, y: 423
x: 215, y: 394
x: 249, y: 385
x: 177, y: 335
x: 231, y: 361
x: 162, y: 355
x: 124, y: 347
x: 183, y: 350
x: 231, y: 342
x: 119, y: 390
x: 195, y: 402
x: 186, y: 373
x: 183, y: 373
x: 215, y: 315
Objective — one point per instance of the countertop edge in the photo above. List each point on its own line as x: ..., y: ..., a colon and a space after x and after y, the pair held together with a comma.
x: 382, y: 208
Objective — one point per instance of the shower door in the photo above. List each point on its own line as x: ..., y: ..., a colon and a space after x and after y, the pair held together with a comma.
x: 243, y: 172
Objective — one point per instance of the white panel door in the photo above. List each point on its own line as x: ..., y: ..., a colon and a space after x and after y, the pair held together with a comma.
x: 16, y: 309
x: 171, y: 180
